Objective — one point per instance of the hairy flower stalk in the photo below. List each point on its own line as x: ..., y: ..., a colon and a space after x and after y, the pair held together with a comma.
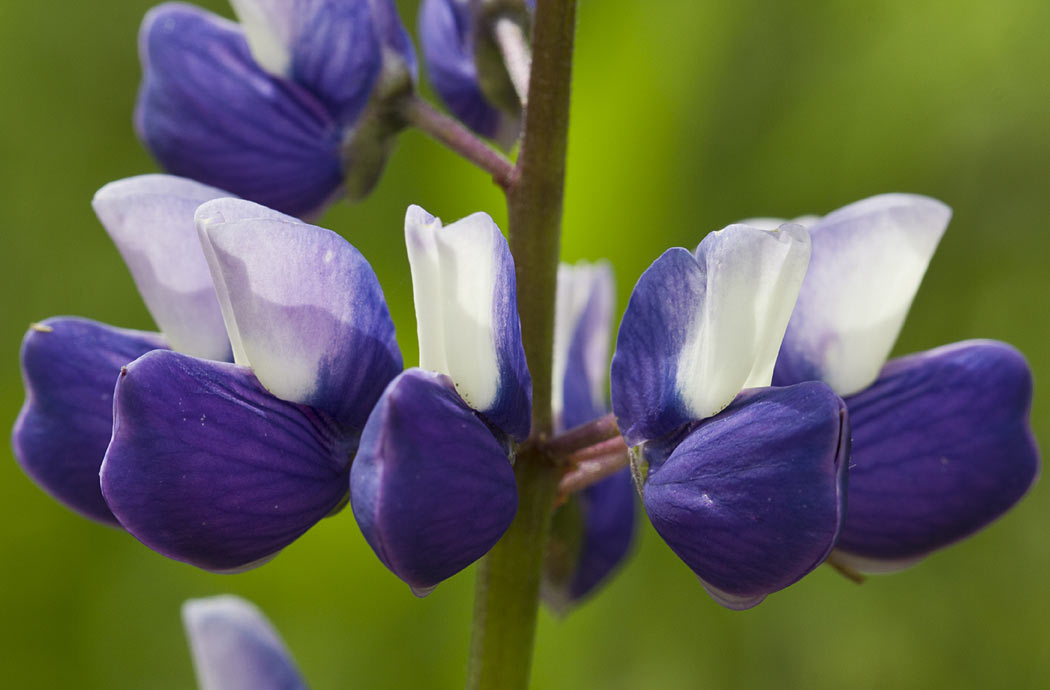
x: 509, y: 577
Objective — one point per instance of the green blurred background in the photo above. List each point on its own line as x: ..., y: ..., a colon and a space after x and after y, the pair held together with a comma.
x: 686, y: 116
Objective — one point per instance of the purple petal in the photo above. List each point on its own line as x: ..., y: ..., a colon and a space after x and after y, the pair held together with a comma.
x: 150, y: 218
x: 867, y: 263
x: 234, y: 647
x: 392, y: 34
x: 208, y: 468
x: 303, y: 309
x: 941, y: 448
x: 70, y: 367
x: 753, y: 498
x: 700, y: 328
x: 431, y: 487
x: 583, y: 322
x: 446, y: 33
x: 466, y: 303
x: 591, y: 536
x: 207, y: 111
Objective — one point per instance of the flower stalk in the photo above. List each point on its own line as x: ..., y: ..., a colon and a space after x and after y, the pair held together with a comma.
x: 458, y: 138
x: 509, y: 576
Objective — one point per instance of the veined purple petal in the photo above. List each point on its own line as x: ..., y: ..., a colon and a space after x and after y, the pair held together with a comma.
x: 150, y: 218
x: 868, y: 261
x: 467, y: 315
x: 303, y: 309
x: 208, y: 468
x: 431, y: 486
x: 753, y: 498
x: 70, y: 367
x: 446, y: 34
x: 582, y: 327
x: 234, y: 647
x: 591, y: 536
x: 207, y: 111
x: 941, y: 448
x: 699, y: 328
x: 330, y: 47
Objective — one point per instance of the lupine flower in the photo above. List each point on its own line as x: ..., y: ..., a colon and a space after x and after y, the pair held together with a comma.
x: 941, y: 441
x: 464, y: 66
x: 751, y: 496
x: 70, y: 364
x: 223, y: 465
x: 286, y: 109
x: 234, y: 647
x: 432, y: 486
x: 592, y: 531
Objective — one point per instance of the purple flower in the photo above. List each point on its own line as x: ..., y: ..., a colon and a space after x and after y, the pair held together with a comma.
x: 223, y: 465
x: 592, y: 531
x: 234, y: 647
x: 941, y: 440
x: 432, y: 486
x: 283, y: 109
x: 747, y: 488
x: 464, y: 64
x: 70, y: 365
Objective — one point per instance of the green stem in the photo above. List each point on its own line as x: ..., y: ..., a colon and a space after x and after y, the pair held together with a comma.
x: 509, y: 576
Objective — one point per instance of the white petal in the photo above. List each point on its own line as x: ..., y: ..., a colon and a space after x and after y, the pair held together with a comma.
x: 580, y: 286
x: 752, y: 280
x: 453, y: 278
x: 268, y: 26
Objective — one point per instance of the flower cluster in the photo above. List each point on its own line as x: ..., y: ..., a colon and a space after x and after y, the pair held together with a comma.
x: 754, y: 486
x: 767, y: 431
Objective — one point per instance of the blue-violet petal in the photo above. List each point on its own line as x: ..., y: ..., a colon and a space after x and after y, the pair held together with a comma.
x: 70, y: 367
x: 753, y: 498
x: 941, y: 447
x: 208, y: 468
x: 207, y: 111
x: 431, y: 486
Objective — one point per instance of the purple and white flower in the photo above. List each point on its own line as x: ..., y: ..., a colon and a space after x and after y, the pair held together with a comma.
x: 223, y: 465
x: 941, y: 439
x: 748, y: 488
x: 281, y: 108
x: 234, y: 647
x: 432, y: 486
x: 464, y: 65
x: 593, y: 530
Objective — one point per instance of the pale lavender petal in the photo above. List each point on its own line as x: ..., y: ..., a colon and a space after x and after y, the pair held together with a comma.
x: 303, y: 309
x: 207, y: 467
x: 466, y: 303
x: 941, y: 448
x: 392, y: 34
x: 753, y: 498
x: 431, y: 486
x: 582, y: 329
x: 207, y: 111
x: 150, y: 219
x: 234, y: 647
x: 70, y: 367
x: 868, y: 261
x: 446, y: 35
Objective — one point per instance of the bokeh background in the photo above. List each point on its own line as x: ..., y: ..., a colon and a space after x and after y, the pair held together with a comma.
x: 686, y: 116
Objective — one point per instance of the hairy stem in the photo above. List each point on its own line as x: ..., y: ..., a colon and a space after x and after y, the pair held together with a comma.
x: 509, y: 577
x: 455, y: 136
